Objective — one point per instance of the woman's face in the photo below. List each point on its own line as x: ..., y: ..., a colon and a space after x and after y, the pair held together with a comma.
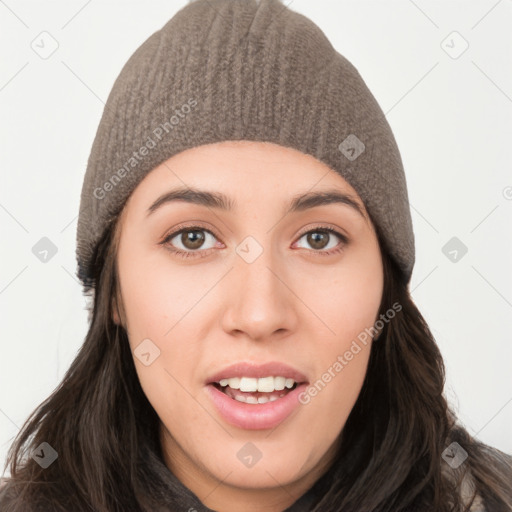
x: 253, y: 279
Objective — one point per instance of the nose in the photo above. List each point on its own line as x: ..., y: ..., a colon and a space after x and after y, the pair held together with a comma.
x: 260, y: 302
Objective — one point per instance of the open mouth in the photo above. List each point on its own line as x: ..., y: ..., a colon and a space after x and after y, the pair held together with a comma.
x: 256, y: 402
x: 268, y: 389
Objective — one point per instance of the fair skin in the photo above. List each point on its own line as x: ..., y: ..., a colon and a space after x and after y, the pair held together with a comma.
x: 292, y: 304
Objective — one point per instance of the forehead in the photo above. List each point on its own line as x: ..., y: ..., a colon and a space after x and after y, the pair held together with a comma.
x: 235, y: 175
x: 246, y: 168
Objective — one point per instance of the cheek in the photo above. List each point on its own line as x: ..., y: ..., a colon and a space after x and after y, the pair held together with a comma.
x: 155, y: 295
x: 162, y: 302
x: 157, y: 299
x: 344, y: 301
x: 156, y: 305
x: 347, y: 304
x: 331, y: 396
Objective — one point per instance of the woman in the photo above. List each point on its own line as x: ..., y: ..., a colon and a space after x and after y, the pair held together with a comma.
x: 245, y: 231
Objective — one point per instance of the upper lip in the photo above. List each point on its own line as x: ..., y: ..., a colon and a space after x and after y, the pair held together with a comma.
x: 272, y: 368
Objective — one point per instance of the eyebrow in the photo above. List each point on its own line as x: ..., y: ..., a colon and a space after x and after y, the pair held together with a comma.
x: 220, y: 201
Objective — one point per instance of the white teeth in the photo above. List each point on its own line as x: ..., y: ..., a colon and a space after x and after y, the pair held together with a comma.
x: 263, y: 384
x: 247, y: 399
x: 248, y: 384
x: 266, y: 384
x: 233, y: 383
x: 279, y: 383
x: 259, y: 400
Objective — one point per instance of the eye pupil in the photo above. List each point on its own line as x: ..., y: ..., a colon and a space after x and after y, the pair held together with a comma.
x: 314, y: 237
x: 192, y: 239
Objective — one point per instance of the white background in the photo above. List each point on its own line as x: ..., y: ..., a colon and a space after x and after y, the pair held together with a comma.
x: 452, y: 119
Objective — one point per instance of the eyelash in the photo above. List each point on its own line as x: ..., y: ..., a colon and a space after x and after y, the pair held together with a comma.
x: 193, y: 254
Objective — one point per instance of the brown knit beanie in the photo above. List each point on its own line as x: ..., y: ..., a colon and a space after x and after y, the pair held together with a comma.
x: 242, y: 70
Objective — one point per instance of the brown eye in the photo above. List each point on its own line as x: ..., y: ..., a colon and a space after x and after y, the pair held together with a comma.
x: 324, y: 239
x: 318, y: 239
x: 190, y: 239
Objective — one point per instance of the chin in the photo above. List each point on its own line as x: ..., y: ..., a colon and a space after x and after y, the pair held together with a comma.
x: 268, y: 466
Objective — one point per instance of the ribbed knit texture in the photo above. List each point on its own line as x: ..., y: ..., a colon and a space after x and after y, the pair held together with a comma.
x: 234, y: 70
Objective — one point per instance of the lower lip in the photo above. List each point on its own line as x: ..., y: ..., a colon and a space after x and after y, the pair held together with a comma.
x: 255, y: 416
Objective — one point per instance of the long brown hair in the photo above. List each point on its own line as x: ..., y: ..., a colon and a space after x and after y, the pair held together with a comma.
x: 389, y: 457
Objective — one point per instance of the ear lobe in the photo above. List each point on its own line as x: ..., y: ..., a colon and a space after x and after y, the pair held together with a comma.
x: 116, y: 316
